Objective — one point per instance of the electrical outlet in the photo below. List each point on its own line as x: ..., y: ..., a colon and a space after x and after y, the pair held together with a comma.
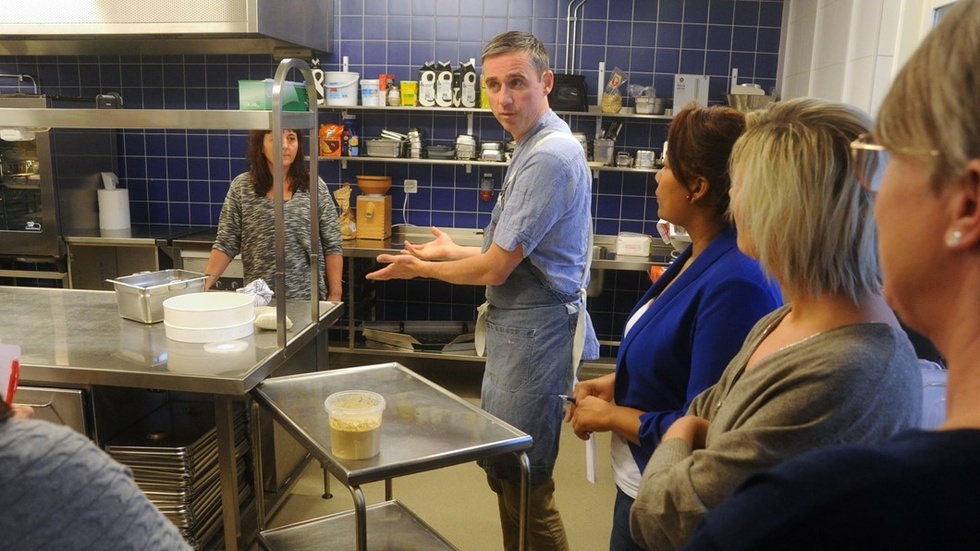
x: 411, y: 186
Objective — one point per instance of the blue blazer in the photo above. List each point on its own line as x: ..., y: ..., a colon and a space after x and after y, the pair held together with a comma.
x: 684, y: 341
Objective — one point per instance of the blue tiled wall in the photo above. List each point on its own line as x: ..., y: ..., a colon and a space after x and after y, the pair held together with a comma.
x: 180, y: 177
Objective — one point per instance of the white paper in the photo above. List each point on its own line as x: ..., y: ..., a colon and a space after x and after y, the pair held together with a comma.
x: 113, y: 209
x: 590, y: 463
x: 8, y: 354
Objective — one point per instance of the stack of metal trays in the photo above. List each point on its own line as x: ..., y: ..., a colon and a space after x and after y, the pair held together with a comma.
x: 173, y: 454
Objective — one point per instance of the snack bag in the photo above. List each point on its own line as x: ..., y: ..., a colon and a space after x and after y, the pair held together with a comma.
x: 330, y: 139
x: 612, y: 99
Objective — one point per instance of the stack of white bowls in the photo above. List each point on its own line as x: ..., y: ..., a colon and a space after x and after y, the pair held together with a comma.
x: 209, y: 316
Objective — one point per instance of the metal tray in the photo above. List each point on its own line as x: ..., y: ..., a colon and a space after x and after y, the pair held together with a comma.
x: 436, y: 336
x: 383, y: 147
x: 140, y: 296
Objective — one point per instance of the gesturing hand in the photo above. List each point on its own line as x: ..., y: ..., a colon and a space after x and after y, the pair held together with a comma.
x: 399, y: 266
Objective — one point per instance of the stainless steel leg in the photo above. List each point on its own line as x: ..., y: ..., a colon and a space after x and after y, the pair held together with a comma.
x: 257, y: 472
x: 225, y: 428
x: 525, y: 463
x: 327, y: 494
x: 360, y: 517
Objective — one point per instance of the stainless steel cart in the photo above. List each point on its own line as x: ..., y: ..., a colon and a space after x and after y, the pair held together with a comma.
x: 425, y: 427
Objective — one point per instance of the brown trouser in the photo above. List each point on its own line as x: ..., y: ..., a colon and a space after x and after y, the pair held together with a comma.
x: 545, y: 531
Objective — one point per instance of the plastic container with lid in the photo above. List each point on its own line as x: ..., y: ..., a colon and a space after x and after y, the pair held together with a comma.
x: 355, y: 423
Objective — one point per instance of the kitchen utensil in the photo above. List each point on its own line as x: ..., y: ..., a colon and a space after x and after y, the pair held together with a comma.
x: 623, y: 159
x: 209, y: 310
x: 603, y: 150
x: 492, y: 151
x: 440, y: 152
x: 373, y: 185
x: 385, y: 147
x: 645, y: 158
x: 140, y: 296
x: 465, y: 147
x: 210, y: 334
x: 611, y: 130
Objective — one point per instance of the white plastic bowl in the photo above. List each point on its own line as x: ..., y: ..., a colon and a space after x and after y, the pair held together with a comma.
x: 209, y: 310
x: 209, y: 334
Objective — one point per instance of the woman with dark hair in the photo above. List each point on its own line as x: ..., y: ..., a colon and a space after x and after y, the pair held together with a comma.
x: 58, y: 490
x: 690, y: 323
x: 247, y: 222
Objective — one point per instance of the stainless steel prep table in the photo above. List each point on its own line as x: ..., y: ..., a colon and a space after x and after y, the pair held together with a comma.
x: 76, y: 337
x: 424, y: 427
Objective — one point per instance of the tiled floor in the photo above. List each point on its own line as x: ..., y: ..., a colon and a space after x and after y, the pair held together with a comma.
x: 458, y: 504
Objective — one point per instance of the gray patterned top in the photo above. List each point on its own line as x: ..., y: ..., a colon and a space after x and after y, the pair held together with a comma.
x: 247, y: 226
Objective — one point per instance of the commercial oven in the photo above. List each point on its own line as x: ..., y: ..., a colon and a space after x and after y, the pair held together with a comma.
x: 48, y: 183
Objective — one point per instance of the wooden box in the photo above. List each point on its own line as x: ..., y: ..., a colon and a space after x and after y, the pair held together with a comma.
x: 373, y: 216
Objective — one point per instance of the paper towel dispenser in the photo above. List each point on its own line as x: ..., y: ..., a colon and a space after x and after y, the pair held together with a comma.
x: 284, y: 28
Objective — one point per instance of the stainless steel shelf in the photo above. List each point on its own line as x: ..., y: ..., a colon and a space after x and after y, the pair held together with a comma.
x: 188, y: 119
x: 592, y: 112
x: 454, y: 162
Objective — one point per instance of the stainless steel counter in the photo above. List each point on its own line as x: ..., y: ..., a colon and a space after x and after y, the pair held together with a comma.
x: 77, y: 337
x: 370, y: 248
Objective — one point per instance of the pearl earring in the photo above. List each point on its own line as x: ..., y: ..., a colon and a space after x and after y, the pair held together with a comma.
x: 689, y: 197
x: 953, y: 238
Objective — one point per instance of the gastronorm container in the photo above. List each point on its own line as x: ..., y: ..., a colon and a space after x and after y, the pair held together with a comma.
x: 383, y: 147
x: 140, y: 296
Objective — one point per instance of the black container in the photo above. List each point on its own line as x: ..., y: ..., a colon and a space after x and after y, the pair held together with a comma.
x: 569, y: 93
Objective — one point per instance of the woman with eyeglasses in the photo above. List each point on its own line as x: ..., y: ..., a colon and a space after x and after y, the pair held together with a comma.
x: 830, y: 366
x: 918, y: 490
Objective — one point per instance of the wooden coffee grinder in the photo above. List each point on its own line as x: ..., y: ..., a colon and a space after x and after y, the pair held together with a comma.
x: 374, y: 207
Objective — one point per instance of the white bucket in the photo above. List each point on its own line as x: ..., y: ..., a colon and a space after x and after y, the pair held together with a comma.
x: 370, y: 92
x: 340, y: 88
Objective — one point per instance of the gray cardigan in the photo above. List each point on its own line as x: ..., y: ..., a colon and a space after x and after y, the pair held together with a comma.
x: 856, y: 384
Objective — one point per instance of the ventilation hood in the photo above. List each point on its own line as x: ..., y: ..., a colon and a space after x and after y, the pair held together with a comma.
x: 284, y: 28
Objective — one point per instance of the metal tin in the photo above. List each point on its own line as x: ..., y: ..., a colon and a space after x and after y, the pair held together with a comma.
x: 140, y: 296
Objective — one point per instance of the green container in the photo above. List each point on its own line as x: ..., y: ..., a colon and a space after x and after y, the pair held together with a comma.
x: 256, y: 95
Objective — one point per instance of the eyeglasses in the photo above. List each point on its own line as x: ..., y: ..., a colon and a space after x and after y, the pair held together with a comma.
x: 871, y: 158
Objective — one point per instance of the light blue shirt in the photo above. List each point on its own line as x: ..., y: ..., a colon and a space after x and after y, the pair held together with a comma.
x: 547, y: 193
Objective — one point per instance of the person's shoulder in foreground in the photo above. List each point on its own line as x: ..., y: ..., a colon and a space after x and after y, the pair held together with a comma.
x: 917, y: 491
x: 58, y: 490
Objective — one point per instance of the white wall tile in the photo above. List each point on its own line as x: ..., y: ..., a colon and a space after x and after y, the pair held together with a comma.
x: 859, y: 82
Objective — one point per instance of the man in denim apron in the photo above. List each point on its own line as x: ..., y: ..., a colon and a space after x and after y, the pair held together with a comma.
x: 534, y: 262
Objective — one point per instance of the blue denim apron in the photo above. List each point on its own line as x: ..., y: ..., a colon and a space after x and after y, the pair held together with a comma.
x: 530, y: 329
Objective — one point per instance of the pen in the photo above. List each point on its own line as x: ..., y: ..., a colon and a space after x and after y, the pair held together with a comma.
x: 567, y: 398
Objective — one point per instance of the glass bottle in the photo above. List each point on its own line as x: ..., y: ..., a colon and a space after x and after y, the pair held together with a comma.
x: 350, y: 141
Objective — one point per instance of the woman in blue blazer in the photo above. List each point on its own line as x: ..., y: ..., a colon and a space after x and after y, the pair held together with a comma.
x: 690, y: 323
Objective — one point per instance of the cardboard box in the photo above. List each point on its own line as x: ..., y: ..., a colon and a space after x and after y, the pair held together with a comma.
x: 633, y: 244
x: 690, y: 89
x: 256, y: 95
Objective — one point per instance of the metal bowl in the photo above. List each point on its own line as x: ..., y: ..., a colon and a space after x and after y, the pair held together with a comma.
x: 749, y: 102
